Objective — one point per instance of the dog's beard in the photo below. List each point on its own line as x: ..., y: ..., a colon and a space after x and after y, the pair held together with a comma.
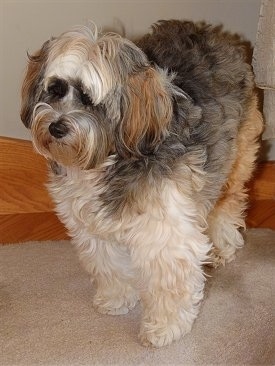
x: 85, y: 143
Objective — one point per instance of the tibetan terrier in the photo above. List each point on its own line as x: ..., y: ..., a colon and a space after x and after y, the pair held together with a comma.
x: 149, y: 147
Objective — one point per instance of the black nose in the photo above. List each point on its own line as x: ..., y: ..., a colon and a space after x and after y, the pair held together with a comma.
x: 58, y: 129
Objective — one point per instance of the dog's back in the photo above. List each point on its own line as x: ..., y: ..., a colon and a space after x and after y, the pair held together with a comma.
x: 209, y: 63
x: 210, y: 67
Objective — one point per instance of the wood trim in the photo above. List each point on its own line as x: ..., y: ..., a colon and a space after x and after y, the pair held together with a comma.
x: 261, y: 214
x: 261, y: 211
x: 262, y: 186
x: 27, y: 212
x: 26, y: 209
x: 31, y: 226
x: 23, y: 175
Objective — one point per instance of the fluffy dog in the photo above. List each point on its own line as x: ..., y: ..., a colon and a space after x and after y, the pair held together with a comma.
x: 149, y: 145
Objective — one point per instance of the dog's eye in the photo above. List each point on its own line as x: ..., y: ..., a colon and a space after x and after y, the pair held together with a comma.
x: 85, y: 99
x: 58, y: 88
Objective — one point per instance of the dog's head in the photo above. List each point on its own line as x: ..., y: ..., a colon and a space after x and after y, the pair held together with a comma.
x: 86, y: 96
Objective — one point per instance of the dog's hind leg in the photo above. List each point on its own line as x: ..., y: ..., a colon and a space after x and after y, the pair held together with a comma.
x: 228, y: 215
x: 109, y: 267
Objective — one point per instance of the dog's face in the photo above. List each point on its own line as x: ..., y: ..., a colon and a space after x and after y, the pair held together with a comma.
x: 85, y: 97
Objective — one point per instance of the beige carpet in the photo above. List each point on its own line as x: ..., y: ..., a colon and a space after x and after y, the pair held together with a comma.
x: 46, y: 317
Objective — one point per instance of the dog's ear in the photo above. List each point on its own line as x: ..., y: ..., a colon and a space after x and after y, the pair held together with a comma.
x: 146, y: 111
x: 111, y: 60
x: 32, y: 84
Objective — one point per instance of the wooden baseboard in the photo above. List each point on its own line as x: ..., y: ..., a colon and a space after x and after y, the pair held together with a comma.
x: 261, y: 211
x: 261, y: 214
x: 24, y: 227
x: 26, y: 210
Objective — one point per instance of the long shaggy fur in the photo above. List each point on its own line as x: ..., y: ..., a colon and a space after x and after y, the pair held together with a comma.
x: 149, y: 148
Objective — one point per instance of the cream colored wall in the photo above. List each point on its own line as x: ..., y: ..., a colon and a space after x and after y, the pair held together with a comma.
x: 25, y: 25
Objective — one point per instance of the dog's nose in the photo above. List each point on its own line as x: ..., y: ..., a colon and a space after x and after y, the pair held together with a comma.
x: 58, y: 129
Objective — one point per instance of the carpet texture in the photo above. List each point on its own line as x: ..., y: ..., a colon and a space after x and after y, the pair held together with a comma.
x: 46, y: 317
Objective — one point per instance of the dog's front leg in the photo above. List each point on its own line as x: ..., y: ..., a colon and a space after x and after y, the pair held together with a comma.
x: 109, y: 267
x: 171, y: 271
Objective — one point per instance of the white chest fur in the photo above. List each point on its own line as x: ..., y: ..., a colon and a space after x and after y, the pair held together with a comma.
x: 160, y: 210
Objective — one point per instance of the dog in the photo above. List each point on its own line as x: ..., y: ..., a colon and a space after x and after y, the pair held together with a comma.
x: 149, y: 144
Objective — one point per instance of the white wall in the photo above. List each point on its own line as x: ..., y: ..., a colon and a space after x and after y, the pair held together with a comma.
x: 25, y: 25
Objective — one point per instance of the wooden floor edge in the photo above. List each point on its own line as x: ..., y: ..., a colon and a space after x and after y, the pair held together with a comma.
x: 25, y: 227
x: 261, y: 210
x: 26, y: 210
x: 262, y: 185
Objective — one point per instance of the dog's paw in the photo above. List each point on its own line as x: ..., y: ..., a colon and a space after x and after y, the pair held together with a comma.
x: 108, y: 309
x: 117, y: 305
x: 163, y: 336
x: 218, y: 258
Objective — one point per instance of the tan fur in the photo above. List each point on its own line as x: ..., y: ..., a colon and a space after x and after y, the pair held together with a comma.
x: 149, y: 110
x: 35, y: 66
x: 230, y: 208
